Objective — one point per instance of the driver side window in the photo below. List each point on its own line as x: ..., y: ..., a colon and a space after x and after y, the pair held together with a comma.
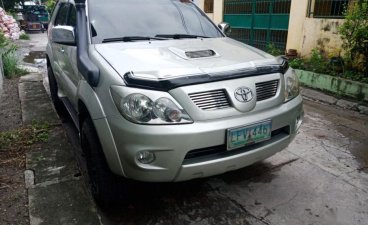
x: 72, y: 17
x: 67, y: 15
x: 62, y: 15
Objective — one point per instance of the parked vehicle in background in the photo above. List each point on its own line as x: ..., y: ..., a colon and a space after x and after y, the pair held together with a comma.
x: 35, y: 18
x: 31, y: 22
x: 160, y: 94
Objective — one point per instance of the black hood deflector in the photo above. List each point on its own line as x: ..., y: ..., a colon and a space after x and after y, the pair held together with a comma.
x: 169, y: 84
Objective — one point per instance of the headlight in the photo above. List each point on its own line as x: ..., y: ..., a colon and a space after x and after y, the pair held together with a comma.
x: 291, y: 85
x: 139, y: 108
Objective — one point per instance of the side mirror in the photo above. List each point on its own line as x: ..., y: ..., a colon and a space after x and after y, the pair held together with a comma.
x: 225, y: 28
x: 63, y: 35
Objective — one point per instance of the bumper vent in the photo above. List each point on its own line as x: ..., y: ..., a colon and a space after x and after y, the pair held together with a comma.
x: 216, y: 152
x: 266, y: 90
x: 211, y: 100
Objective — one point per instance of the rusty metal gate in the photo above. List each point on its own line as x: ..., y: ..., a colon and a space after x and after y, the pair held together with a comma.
x: 259, y: 22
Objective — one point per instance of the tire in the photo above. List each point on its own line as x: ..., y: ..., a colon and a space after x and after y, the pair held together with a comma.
x: 106, y: 188
x: 58, y: 104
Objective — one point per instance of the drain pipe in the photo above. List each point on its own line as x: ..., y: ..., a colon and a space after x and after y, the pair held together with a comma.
x: 85, y: 66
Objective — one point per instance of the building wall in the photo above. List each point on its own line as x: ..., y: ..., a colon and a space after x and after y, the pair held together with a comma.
x: 304, y: 33
x: 298, y: 13
x: 322, y: 34
x: 218, y: 10
x: 307, y: 33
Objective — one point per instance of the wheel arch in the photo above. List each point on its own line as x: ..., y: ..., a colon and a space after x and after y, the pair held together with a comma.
x: 94, y: 110
x: 48, y: 63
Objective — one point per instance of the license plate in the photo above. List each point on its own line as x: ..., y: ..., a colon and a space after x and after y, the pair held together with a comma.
x: 252, y: 134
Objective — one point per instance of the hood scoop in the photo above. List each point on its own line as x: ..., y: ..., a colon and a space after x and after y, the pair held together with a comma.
x: 194, y: 54
x: 200, y: 54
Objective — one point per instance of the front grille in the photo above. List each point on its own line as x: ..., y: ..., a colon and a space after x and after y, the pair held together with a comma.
x: 215, y: 152
x: 266, y: 90
x: 218, y: 99
x: 211, y: 100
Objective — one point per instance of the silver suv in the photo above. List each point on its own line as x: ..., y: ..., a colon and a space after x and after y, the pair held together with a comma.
x: 160, y: 94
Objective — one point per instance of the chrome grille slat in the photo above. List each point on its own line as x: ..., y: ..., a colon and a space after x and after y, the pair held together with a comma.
x: 267, y: 90
x: 219, y: 99
x: 210, y: 106
x: 266, y: 87
x: 211, y: 100
x: 214, y: 104
x: 206, y: 94
x: 217, y: 107
x: 207, y: 97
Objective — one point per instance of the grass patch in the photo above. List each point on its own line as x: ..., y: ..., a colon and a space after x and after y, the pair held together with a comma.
x: 11, y: 68
x: 9, y: 58
x: 14, y: 144
x: 24, y: 36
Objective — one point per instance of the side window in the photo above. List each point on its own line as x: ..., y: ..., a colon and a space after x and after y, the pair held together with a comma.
x: 62, y: 15
x: 72, y: 20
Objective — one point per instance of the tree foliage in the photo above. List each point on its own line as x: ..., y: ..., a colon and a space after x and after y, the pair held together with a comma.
x: 354, y: 33
x: 9, y: 4
x: 50, y: 4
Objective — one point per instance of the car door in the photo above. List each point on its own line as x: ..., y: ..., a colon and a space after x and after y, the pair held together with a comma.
x: 66, y: 56
x: 69, y: 57
x: 58, y: 58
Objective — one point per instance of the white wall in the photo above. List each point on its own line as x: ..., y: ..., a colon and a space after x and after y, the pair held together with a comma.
x: 307, y: 33
x: 322, y: 34
x: 218, y: 10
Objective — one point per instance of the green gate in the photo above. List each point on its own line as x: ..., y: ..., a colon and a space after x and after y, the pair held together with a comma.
x: 259, y: 22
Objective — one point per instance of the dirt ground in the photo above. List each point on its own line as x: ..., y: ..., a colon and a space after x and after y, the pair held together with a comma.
x: 13, y: 194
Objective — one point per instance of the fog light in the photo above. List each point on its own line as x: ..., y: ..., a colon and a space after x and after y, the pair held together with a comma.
x: 146, y: 157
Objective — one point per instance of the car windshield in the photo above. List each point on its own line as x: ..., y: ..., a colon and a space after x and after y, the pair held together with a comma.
x: 116, y: 19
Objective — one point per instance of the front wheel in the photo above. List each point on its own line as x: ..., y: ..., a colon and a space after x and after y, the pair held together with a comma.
x: 105, y: 187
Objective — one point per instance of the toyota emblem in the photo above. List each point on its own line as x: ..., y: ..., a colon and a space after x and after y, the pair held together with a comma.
x: 244, y: 94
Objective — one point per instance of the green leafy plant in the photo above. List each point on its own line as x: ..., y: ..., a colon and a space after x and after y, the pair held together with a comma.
x: 14, y: 144
x: 40, y: 132
x: 4, y: 42
x: 273, y: 50
x: 24, y: 36
x: 354, y: 33
x: 317, y: 62
x: 10, y: 60
x: 50, y: 5
x: 11, y: 68
x: 297, y: 63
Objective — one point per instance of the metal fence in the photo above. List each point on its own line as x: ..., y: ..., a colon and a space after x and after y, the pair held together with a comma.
x: 328, y: 8
x: 257, y: 6
x: 259, y: 22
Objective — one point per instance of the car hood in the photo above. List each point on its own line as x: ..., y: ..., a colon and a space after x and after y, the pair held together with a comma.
x: 161, y: 60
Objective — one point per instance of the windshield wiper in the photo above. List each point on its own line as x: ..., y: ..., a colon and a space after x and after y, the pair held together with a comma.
x: 179, y: 36
x: 132, y: 38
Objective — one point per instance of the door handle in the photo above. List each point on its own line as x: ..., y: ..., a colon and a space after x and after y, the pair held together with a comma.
x: 62, y: 50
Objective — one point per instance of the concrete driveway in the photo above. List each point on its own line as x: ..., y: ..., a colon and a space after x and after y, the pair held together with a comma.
x: 321, y: 178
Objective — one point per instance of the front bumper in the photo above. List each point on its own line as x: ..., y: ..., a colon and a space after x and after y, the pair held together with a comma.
x: 172, y: 143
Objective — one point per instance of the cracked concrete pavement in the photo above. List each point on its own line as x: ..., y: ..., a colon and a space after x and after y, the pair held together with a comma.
x: 321, y: 178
